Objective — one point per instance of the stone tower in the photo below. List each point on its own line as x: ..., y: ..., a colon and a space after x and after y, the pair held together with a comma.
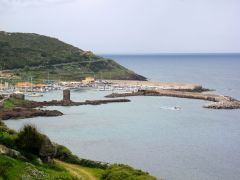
x: 66, y: 96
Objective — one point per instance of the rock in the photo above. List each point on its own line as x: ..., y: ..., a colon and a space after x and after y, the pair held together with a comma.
x: 48, y: 150
x: 18, y: 96
x: 31, y: 172
x: 39, y: 161
x: 10, y: 152
x: 27, y: 113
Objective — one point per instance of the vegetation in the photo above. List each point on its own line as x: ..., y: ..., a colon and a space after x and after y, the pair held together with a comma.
x: 67, y: 166
x: 120, y: 171
x: 12, y: 102
x: 7, y: 136
x: 40, y: 56
x: 14, y: 169
x: 82, y: 172
x: 29, y: 140
x: 66, y: 155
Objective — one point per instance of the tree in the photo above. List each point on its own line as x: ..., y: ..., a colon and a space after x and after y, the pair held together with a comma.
x: 30, y: 140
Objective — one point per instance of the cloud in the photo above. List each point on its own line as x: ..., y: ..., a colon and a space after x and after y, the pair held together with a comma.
x: 14, y: 3
x: 11, y: 5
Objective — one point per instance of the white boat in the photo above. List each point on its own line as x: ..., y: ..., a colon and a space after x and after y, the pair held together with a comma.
x: 34, y: 95
x: 17, y: 92
x: 175, y: 108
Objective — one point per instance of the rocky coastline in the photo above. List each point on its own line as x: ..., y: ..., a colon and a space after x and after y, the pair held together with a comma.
x: 28, y: 109
x: 21, y: 113
x: 34, y: 104
x: 219, y: 101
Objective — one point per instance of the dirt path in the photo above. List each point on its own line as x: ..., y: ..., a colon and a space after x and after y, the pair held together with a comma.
x: 77, y: 171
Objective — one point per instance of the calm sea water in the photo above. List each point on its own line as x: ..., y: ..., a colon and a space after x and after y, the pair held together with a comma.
x: 191, y: 144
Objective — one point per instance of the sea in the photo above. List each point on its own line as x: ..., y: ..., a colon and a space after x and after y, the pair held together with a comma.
x: 193, y: 143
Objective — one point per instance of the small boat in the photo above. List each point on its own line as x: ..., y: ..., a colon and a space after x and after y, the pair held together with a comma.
x: 175, y: 108
x: 17, y: 92
x: 34, y: 95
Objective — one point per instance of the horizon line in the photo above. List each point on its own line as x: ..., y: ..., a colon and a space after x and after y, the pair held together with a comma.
x: 195, y: 53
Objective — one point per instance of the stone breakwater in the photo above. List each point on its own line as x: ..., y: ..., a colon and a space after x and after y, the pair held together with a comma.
x: 219, y: 101
x: 34, y: 104
x: 31, y: 109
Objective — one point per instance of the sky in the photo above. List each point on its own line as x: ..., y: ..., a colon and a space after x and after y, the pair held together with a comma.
x: 130, y: 26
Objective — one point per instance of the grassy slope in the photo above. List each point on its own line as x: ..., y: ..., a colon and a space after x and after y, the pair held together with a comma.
x: 13, y: 169
x: 12, y: 103
x: 28, y: 54
x: 81, y: 172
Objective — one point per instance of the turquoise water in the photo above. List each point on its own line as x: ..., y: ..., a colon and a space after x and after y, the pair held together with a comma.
x: 191, y: 144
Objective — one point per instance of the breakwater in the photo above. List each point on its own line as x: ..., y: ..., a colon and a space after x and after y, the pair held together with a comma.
x: 72, y: 103
x: 219, y: 101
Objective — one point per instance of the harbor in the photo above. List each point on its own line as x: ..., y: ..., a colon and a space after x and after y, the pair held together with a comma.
x: 36, y: 88
x: 121, y: 88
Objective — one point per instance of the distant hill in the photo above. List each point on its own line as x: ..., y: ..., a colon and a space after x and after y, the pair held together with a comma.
x: 40, y: 56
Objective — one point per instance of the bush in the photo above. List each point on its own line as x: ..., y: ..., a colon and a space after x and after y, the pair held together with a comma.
x: 4, y: 128
x: 2, y: 124
x: 7, y: 136
x: 8, y: 139
x: 120, y: 171
x: 29, y: 140
x: 66, y: 155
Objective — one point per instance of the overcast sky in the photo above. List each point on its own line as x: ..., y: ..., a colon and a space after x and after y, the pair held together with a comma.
x: 130, y: 26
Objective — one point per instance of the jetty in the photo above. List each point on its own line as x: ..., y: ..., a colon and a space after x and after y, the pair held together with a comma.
x: 218, y: 101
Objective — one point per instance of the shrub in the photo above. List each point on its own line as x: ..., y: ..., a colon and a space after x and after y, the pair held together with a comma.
x: 7, y: 136
x: 4, y: 128
x: 66, y: 155
x: 2, y: 124
x: 29, y: 140
x: 120, y: 171
x: 7, y: 139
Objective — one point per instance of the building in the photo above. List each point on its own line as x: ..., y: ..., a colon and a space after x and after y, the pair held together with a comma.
x: 88, y: 80
x: 24, y: 84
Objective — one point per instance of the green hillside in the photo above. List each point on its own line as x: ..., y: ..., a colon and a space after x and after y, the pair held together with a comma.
x: 40, y: 56
x: 28, y: 154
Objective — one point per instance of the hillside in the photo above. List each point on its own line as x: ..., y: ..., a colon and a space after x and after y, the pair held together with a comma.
x: 28, y: 154
x: 44, y: 57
